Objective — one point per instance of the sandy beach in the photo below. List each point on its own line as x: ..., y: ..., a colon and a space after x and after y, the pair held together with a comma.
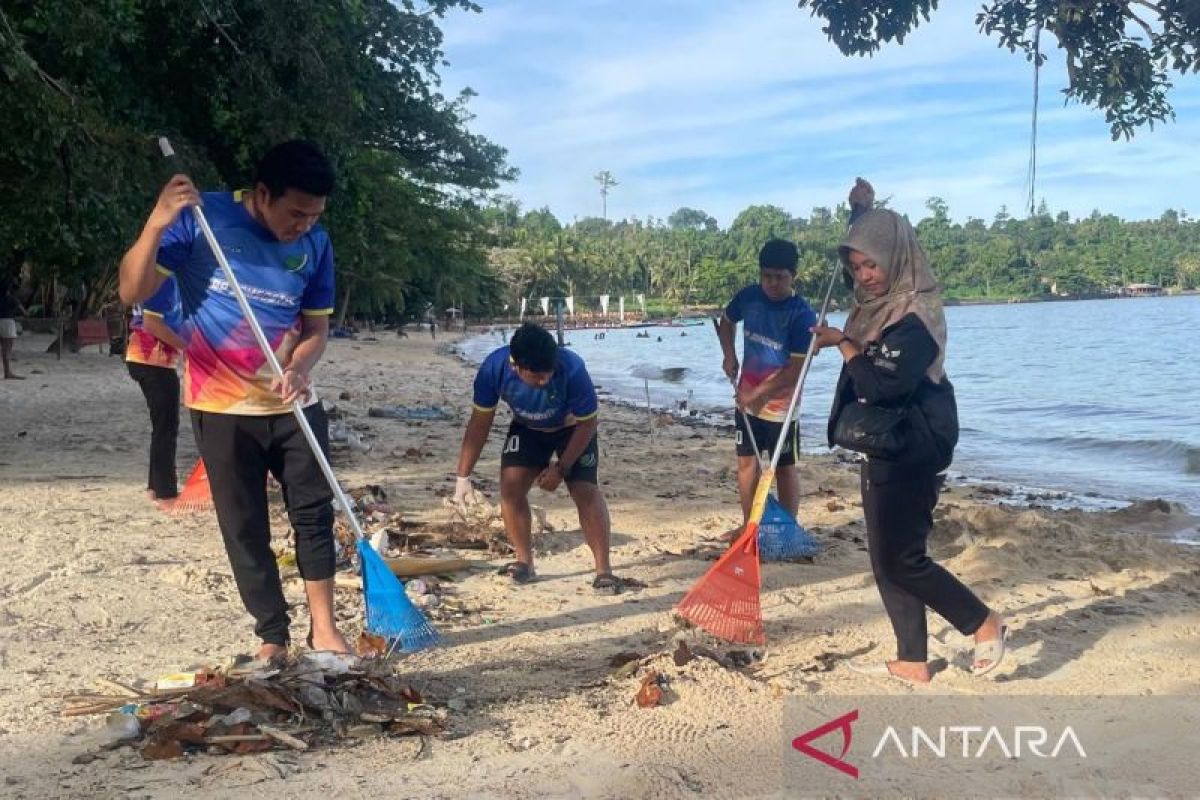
x: 98, y: 583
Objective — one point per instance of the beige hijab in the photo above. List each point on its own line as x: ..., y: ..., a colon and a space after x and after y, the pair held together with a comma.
x: 887, y: 239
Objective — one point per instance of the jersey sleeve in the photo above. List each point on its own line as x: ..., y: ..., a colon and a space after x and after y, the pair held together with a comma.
x: 175, y: 247
x: 733, y: 311
x: 800, y: 333
x: 163, y: 302
x: 487, y: 384
x: 318, y: 296
x: 581, y: 395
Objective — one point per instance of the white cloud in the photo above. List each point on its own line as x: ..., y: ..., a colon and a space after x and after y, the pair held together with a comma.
x: 719, y: 106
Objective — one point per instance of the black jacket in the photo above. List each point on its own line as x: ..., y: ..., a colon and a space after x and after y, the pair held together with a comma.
x: 892, y: 373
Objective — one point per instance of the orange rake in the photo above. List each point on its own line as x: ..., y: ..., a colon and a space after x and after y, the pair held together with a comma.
x: 196, y: 495
x: 725, y: 602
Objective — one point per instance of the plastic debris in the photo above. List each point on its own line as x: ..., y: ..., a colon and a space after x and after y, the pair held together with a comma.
x: 245, y: 707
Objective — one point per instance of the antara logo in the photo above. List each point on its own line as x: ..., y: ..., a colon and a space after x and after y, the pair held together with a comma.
x: 842, y: 723
x: 947, y: 741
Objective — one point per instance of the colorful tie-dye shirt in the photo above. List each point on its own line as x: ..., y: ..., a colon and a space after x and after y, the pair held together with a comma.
x: 146, y: 348
x: 224, y: 370
x: 772, y: 333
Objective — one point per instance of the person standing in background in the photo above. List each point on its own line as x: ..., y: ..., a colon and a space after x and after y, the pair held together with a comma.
x: 151, y: 356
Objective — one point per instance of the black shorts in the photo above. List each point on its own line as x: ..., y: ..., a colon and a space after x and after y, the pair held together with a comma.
x: 526, y: 447
x: 766, y: 436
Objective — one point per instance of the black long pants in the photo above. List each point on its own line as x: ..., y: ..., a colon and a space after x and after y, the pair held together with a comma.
x: 899, y: 517
x: 238, y: 453
x: 160, y: 387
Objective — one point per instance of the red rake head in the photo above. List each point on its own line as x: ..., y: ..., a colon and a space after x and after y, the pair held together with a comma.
x: 196, y: 495
x: 725, y: 602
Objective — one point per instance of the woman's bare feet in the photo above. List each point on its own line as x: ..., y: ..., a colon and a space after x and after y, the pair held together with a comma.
x: 915, y: 671
x: 907, y: 671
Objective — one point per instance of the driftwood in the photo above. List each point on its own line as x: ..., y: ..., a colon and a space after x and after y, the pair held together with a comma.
x: 246, y: 708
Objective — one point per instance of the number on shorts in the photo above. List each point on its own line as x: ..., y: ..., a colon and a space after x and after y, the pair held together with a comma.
x: 737, y: 437
x: 513, y: 444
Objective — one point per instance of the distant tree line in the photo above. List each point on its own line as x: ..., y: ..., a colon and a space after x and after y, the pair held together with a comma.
x: 688, y: 259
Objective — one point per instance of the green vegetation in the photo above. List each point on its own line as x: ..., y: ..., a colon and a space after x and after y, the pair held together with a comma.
x: 687, y: 259
x: 86, y: 86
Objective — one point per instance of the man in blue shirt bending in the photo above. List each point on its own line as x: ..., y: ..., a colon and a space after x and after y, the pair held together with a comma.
x: 554, y: 412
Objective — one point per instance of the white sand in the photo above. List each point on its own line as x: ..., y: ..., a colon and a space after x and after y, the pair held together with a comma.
x: 97, y: 583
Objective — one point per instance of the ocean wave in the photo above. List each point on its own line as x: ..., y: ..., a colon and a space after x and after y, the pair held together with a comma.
x: 1161, y: 450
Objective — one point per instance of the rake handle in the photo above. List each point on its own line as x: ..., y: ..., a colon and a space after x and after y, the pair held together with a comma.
x: 297, y: 409
x: 745, y: 416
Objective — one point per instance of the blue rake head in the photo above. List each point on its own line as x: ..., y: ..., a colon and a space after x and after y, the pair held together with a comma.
x: 390, y: 613
x: 781, y: 538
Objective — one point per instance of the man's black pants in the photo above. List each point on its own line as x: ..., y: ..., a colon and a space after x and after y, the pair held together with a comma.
x: 160, y: 387
x: 899, y: 516
x: 238, y: 453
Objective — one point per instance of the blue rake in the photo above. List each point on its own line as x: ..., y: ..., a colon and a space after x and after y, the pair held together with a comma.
x: 390, y: 613
x: 782, y: 538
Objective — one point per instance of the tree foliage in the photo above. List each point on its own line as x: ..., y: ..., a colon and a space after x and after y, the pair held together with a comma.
x: 86, y: 85
x: 1119, y: 53
x: 699, y: 264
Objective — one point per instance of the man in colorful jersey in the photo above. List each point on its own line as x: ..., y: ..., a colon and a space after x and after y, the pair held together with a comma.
x: 240, y: 414
x: 775, y: 322
x: 151, y: 355
x: 554, y: 412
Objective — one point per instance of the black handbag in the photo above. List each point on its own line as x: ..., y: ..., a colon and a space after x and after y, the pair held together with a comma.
x: 875, y: 431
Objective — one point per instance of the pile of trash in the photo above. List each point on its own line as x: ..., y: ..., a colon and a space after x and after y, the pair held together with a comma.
x: 247, y: 706
x: 422, y: 555
x: 477, y: 525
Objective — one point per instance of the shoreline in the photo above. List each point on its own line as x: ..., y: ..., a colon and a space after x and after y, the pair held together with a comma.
x: 1001, y: 490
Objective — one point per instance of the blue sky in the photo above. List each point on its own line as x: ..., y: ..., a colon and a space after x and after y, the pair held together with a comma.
x: 720, y: 105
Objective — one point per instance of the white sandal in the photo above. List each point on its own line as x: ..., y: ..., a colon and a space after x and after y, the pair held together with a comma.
x: 992, y: 652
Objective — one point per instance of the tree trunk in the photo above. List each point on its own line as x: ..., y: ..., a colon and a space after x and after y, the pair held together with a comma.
x: 341, y: 320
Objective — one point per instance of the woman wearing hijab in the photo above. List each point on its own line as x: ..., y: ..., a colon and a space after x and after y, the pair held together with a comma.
x: 893, y: 348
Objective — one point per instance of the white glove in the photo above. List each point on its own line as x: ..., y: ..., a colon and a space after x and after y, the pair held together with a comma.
x: 464, y: 492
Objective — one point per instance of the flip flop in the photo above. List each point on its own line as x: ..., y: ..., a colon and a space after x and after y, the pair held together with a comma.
x: 607, y: 583
x: 519, y: 571
x: 992, y: 652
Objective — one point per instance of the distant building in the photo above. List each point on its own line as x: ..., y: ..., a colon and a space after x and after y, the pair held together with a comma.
x: 1141, y: 290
